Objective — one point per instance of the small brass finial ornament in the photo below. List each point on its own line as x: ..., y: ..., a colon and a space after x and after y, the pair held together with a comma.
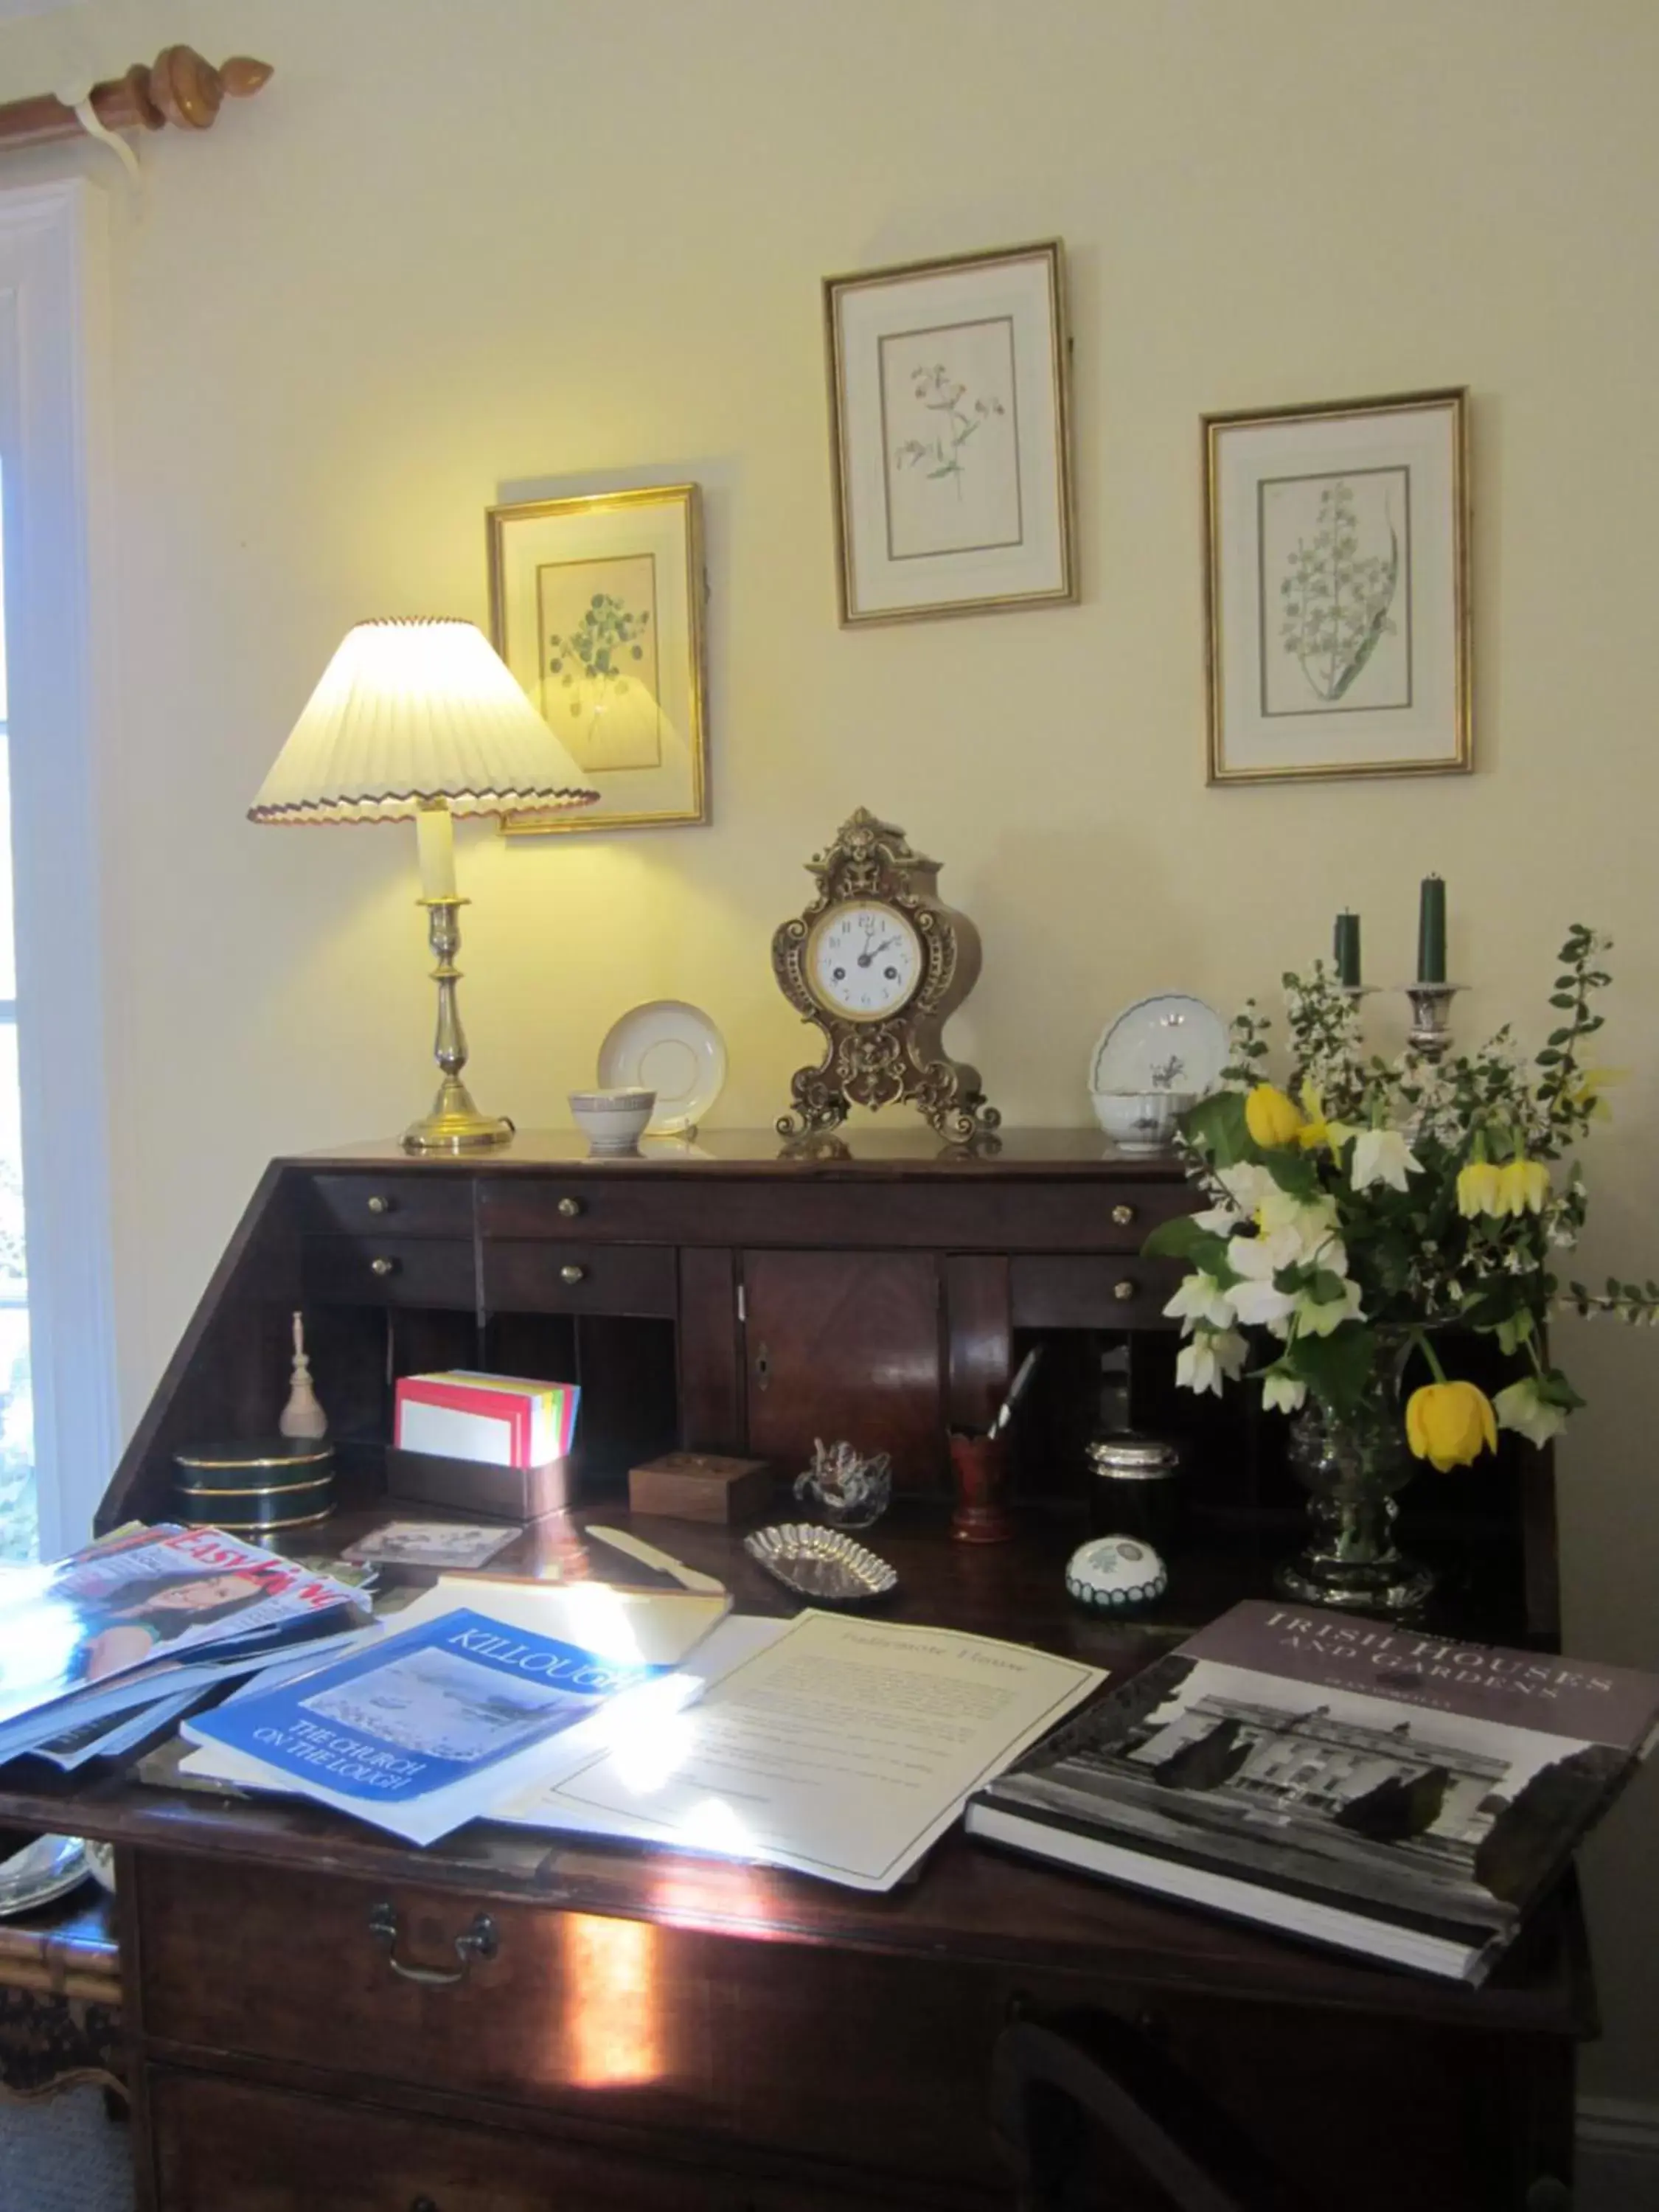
x: 880, y: 963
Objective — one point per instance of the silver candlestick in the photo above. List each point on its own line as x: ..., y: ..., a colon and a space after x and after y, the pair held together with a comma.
x: 1430, y: 1029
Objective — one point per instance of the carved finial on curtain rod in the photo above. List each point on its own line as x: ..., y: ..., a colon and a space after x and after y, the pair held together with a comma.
x: 178, y: 87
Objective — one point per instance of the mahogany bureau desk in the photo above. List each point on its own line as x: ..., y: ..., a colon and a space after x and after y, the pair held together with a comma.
x: 321, y: 2017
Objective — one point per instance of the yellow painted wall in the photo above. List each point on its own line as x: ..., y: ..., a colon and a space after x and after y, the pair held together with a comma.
x: 459, y: 252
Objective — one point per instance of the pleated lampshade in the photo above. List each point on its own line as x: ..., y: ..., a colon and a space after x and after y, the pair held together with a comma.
x: 411, y: 713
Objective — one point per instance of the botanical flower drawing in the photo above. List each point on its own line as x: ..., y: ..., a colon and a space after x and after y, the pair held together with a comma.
x: 1335, y: 602
x: 942, y: 456
x: 589, y: 662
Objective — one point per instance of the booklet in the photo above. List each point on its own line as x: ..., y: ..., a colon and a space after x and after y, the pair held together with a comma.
x: 840, y: 1747
x: 477, y: 1687
x: 1388, y: 1790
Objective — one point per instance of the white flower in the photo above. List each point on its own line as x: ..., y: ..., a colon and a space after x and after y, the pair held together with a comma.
x: 1321, y: 1318
x: 1257, y: 1301
x: 1212, y: 1357
x: 1311, y: 1221
x: 1247, y: 1185
x: 1384, y: 1156
x: 1523, y: 1409
x: 1200, y: 1298
x: 1283, y: 1392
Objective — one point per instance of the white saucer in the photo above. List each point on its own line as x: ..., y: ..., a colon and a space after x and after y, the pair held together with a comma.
x: 672, y: 1049
x: 1169, y: 1043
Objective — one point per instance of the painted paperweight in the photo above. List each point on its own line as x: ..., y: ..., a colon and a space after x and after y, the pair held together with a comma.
x: 1117, y: 1574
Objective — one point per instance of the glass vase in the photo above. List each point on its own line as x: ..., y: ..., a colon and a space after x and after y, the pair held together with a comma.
x: 1351, y: 1466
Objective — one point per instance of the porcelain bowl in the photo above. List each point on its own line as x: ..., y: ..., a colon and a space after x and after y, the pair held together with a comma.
x: 612, y: 1120
x: 1140, y: 1121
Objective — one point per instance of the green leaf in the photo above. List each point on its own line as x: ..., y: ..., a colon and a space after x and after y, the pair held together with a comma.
x: 1182, y: 1239
x: 1216, y: 1127
x: 1335, y: 1368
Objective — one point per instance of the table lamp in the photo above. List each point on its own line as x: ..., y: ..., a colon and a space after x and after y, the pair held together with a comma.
x: 423, y: 721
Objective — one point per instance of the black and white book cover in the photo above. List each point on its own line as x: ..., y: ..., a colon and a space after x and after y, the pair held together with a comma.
x: 1379, y: 1788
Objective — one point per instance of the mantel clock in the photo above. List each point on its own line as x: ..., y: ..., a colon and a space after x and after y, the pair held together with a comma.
x: 879, y: 962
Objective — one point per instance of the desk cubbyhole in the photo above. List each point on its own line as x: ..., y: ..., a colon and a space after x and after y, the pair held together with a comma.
x: 626, y: 1368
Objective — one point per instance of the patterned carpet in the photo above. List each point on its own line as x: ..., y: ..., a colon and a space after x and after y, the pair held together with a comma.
x: 64, y: 2154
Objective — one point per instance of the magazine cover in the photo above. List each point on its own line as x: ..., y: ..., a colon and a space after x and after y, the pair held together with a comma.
x: 1411, y: 1783
x: 419, y: 1732
x: 149, y: 1594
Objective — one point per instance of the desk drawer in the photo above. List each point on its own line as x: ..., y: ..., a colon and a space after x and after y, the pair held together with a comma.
x: 571, y: 1277
x: 415, y: 1203
x: 604, y: 2017
x: 390, y: 1271
x: 1064, y: 1293
x: 821, y: 1212
x: 224, y: 2146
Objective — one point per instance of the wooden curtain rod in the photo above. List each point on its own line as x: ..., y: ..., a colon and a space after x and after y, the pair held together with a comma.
x: 178, y: 87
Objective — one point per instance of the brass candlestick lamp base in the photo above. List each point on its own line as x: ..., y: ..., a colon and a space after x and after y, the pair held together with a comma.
x: 454, y: 1125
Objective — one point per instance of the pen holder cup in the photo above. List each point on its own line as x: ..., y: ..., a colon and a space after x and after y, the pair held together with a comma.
x: 980, y: 1466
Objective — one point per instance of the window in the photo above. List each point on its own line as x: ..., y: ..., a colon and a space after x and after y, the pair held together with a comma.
x: 19, y: 1515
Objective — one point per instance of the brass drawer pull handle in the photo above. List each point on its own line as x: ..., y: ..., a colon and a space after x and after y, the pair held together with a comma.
x: 571, y: 1208
x: 1124, y: 1215
x: 378, y: 1205
x: 572, y: 1273
x: 1124, y: 1291
x: 381, y: 1266
x: 479, y: 1941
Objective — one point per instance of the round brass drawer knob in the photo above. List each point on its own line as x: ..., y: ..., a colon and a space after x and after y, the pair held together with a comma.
x: 1124, y: 1291
x: 378, y: 1205
x: 570, y: 1207
x: 381, y: 1266
x: 573, y: 1274
x: 1124, y: 1215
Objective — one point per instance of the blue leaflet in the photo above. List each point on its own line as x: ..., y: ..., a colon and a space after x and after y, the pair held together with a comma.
x: 418, y: 1712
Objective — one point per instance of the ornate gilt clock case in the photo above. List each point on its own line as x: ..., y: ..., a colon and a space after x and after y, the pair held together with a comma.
x: 880, y: 963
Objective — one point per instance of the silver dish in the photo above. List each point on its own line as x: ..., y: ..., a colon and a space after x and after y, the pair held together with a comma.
x: 49, y: 1867
x: 825, y: 1564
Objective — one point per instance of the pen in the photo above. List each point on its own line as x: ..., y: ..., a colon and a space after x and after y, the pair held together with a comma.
x: 1004, y: 1412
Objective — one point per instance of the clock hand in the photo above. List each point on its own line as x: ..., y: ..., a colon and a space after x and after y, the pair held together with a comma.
x: 864, y: 958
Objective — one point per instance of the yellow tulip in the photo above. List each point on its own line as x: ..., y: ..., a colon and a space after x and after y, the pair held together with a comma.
x: 1316, y: 1130
x: 1450, y: 1424
x: 1479, y: 1189
x: 1524, y: 1186
x: 1271, y: 1118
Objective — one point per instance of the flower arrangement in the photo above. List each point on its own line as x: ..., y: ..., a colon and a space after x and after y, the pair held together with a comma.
x: 1368, y: 1205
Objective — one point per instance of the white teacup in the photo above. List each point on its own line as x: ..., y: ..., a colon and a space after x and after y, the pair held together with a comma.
x: 612, y: 1120
x: 1140, y: 1121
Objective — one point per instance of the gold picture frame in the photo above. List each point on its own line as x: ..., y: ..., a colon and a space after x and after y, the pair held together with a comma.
x: 950, y: 429
x: 596, y: 604
x: 1336, y: 589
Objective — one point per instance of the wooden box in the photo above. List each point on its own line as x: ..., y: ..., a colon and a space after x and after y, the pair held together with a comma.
x: 687, y: 1485
x: 475, y: 1486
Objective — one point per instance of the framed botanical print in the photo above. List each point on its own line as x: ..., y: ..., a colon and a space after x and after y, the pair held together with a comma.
x: 950, y: 425
x: 596, y: 605
x: 1336, y: 588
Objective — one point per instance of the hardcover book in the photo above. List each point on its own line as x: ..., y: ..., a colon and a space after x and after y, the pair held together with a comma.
x: 1379, y: 1789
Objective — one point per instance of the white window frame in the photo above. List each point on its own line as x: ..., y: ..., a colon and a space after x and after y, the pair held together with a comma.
x: 55, y: 413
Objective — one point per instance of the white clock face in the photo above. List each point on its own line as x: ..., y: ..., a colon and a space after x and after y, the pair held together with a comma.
x: 864, y: 962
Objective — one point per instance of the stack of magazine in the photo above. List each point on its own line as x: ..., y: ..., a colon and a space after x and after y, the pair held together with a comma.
x: 1388, y: 1790
x: 100, y: 1649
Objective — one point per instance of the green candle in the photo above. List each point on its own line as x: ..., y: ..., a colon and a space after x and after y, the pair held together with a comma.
x: 1431, y: 932
x: 1345, y: 948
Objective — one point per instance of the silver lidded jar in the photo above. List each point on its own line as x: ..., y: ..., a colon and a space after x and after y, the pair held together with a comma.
x: 1135, y: 1489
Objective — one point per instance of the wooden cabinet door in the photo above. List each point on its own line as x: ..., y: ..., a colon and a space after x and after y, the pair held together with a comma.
x: 846, y: 1344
